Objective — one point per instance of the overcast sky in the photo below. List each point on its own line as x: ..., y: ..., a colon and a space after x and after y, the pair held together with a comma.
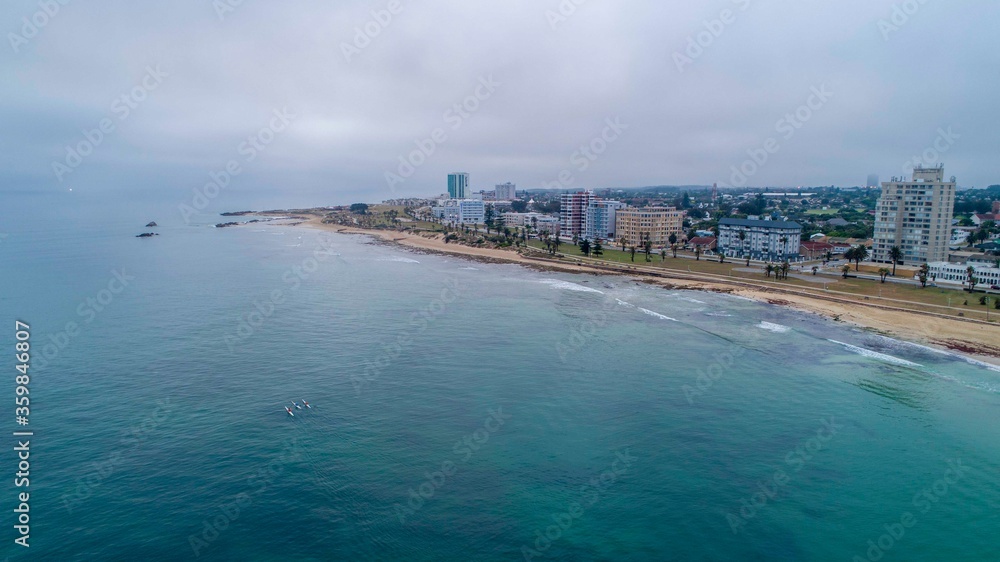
x: 355, y: 105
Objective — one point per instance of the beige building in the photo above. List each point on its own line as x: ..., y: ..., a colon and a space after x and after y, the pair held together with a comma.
x: 658, y: 222
x: 916, y: 216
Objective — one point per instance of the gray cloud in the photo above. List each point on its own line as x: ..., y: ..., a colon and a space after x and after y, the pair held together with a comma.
x: 557, y: 87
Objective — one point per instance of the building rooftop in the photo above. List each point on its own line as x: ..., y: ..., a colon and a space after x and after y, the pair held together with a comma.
x: 754, y: 223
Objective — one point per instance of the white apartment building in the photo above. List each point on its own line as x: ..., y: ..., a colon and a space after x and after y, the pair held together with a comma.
x: 505, y: 192
x: 761, y: 239
x: 601, y: 219
x: 573, y: 213
x: 461, y: 211
x: 916, y: 216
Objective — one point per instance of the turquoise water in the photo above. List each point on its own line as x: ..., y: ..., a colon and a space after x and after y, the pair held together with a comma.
x: 637, y: 423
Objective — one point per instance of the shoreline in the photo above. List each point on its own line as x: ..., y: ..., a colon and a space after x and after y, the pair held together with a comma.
x: 973, y: 339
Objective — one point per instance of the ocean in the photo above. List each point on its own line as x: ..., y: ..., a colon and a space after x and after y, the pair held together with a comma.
x: 460, y: 410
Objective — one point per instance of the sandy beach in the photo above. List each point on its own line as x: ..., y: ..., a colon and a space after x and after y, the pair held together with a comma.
x: 972, y: 338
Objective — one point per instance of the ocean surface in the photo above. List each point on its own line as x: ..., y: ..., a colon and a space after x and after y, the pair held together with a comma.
x: 460, y: 410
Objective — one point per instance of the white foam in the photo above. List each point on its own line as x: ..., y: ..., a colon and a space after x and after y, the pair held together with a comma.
x: 567, y: 286
x: 771, y: 327
x: 658, y: 315
x: 719, y: 314
x: 399, y: 259
x: 469, y: 268
x: 877, y: 355
x: 623, y: 303
x: 679, y: 296
x: 969, y: 360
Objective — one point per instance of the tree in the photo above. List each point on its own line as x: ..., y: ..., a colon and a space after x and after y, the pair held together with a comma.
x: 359, y: 208
x: 883, y: 272
x: 860, y: 254
x: 697, y: 253
x: 785, y: 268
x: 585, y: 247
x: 632, y: 249
x: 971, y: 271
x: 925, y: 270
x: 663, y: 254
x: 576, y: 239
x: 743, y: 237
x: 895, y: 254
x: 623, y: 241
x: 722, y: 257
x: 597, y: 250
x: 845, y: 269
x: 673, y: 247
x: 768, y: 270
x: 488, y: 218
x: 555, y: 244
x: 647, y: 247
x: 519, y: 206
x: 815, y: 270
x: 672, y: 238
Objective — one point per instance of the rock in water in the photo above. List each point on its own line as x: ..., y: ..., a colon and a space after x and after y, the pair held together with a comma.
x: 152, y: 224
x: 146, y: 235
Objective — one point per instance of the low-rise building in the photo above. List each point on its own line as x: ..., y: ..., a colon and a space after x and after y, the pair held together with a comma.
x: 461, y: 211
x: 945, y: 273
x: 760, y: 239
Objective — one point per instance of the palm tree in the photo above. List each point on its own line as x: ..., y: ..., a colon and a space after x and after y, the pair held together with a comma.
x: 768, y: 270
x: 971, y: 271
x: 576, y: 239
x: 883, y: 272
x: 623, y: 241
x: 743, y: 245
x: 845, y: 269
x: 722, y: 257
x: 697, y: 253
x: 632, y: 249
x: 647, y: 247
x: 663, y: 254
x: 815, y: 269
x: 925, y: 270
x: 785, y: 268
x: 555, y: 244
x: 673, y: 247
x: 860, y: 254
x: 895, y: 254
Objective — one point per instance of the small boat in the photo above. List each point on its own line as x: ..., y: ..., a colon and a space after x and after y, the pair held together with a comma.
x: 296, y: 404
x: 306, y: 404
x: 289, y: 410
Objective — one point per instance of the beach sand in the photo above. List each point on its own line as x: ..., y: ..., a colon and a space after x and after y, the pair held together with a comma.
x: 975, y: 339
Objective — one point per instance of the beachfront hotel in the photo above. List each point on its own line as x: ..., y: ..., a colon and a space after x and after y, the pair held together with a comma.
x: 916, y: 216
x: 658, y: 223
x: 761, y: 239
x: 461, y: 211
x: 458, y: 185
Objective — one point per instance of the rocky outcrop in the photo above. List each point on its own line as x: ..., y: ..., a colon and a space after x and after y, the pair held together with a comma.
x: 146, y: 235
x: 152, y: 224
x: 226, y: 224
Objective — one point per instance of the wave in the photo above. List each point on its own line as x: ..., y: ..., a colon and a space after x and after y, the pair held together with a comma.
x: 776, y: 328
x: 969, y: 360
x: 719, y: 314
x: 399, y: 259
x: 626, y: 304
x: 469, y: 268
x: 567, y: 286
x: 679, y: 296
x: 658, y: 315
x: 876, y: 355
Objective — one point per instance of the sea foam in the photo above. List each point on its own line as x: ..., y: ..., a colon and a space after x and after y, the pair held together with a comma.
x: 876, y: 355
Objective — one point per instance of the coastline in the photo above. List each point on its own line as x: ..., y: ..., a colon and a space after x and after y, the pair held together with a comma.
x: 973, y: 339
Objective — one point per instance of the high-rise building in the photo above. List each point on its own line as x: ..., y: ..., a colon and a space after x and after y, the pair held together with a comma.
x: 872, y: 180
x: 458, y: 185
x: 573, y: 213
x: 916, y: 216
x: 601, y: 219
x: 658, y: 223
x: 506, y: 192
